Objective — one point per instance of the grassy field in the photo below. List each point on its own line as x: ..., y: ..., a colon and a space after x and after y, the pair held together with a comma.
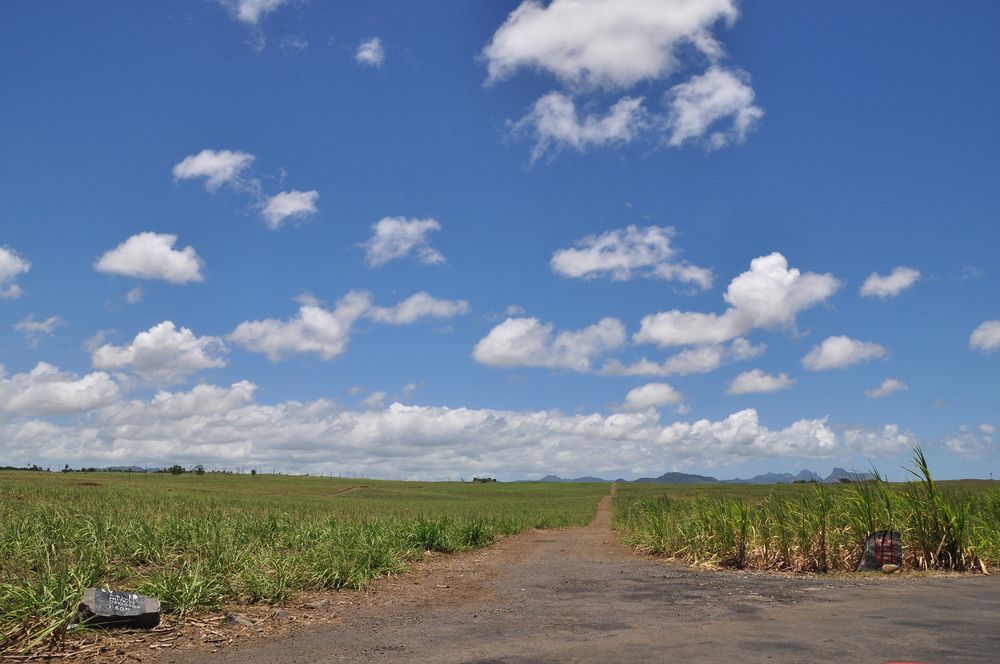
x: 197, y: 542
x: 810, y: 527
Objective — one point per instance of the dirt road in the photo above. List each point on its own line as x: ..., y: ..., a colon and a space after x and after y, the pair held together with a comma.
x: 578, y: 595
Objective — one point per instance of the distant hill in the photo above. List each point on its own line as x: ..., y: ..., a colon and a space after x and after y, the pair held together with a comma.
x: 767, y: 478
x: 838, y: 474
x: 677, y: 478
x: 779, y: 478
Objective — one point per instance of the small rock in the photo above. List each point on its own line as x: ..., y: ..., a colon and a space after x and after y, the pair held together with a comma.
x: 281, y: 614
x: 322, y: 604
x: 238, y: 619
x: 889, y: 569
x: 107, y: 608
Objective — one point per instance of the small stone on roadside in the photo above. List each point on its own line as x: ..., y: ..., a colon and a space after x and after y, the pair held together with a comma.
x: 281, y: 614
x: 238, y: 619
x: 889, y: 569
x: 322, y: 604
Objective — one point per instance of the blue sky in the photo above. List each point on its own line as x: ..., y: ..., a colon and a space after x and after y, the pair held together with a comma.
x: 439, y: 239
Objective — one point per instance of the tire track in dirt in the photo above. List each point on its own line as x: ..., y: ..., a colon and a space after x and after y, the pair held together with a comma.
x: 579, y: 595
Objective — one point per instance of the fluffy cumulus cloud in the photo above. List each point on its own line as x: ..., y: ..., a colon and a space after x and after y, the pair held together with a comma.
x: 554, y: 122
x: 597, y: 43
x: 46, y: 391
x: 33, y: 329
x: 227, y: 426
x: 624, y: 253
x: 216, y: 167
x: 527, y: 342
x: 652, y: 395
x: 769, y: 296
x: 696, y: 360
x: 717, y: 105
x: 986, y: 337
x: 228, y: 168
x: 417, y: 306
x: 756, y: 381
x: 888, y: 386
x: 839, y: 351
x: 288, y: 205
x: 891, y: 284
x: 251, y: 11
x: 11, y: 267
x: 371, y: 52
x: 162, y: 355
x: 396, y: 237
x: 592, y: 45
x: 152, y: 256
x: 971, y: 443
x: 324, y: 332
x: 327, y: 332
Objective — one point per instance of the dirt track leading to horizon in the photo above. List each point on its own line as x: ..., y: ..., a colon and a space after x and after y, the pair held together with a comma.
x: 578, y: 595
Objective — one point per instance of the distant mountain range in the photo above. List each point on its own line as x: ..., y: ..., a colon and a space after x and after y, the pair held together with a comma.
x: 767, y: 478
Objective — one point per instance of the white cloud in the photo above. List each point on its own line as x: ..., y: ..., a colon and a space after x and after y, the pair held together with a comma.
x: 328, y: 332
x: 217, y: 167
x: 152, y: 256
x: 288, y: 205
x: 987, y: 428
x: 396, y: 237
x: 371, y: 52
x: 11, y: 267
x: 756, y: 381
x: 890, y: 285
x: 374, y: 401
x: 554, y: 123
x: 652, y: 395
x: 313, y: 330
x: 293, y: 44
x: 46, y: 391
x: 741, y: 349
x: 971, y: 444
x: 527, y: 342
x: 986, y: 337
x: 251, y: 11
x: 631, y: 251
x: 92, y: 343
x: 615, y: 45
x: 700, y: 105
x: 225, y: 426
x: 417, y: 306
x: 606, y: 44
x: 888, y: 386
x: 696, y: 360
x: 162, y: 355
x: 768, y: 296
x: 514, y: 310
x: 33, y: 329
x: 839, y: 351
x: 134, y: 296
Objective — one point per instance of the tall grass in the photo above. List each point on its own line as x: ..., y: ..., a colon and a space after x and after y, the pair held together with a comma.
x: 816, y: 528
x: 198, y: 543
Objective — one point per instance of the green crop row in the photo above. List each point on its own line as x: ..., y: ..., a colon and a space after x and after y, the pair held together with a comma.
x: 816, y: 527
x: 197, y: 543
